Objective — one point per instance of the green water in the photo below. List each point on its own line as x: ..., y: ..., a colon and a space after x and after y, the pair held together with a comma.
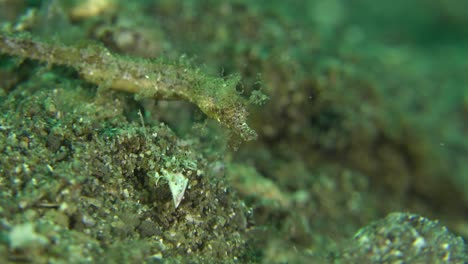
x: 360, y: 106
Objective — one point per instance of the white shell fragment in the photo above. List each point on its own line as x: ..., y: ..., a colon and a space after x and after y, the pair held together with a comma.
x: 177, y: 184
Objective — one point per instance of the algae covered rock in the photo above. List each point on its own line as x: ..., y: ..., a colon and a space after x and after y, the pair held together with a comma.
x: 404, y: 238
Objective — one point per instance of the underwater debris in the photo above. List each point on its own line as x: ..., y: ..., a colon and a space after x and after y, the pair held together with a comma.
x: 177, y: 184
x: 215, y: 97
